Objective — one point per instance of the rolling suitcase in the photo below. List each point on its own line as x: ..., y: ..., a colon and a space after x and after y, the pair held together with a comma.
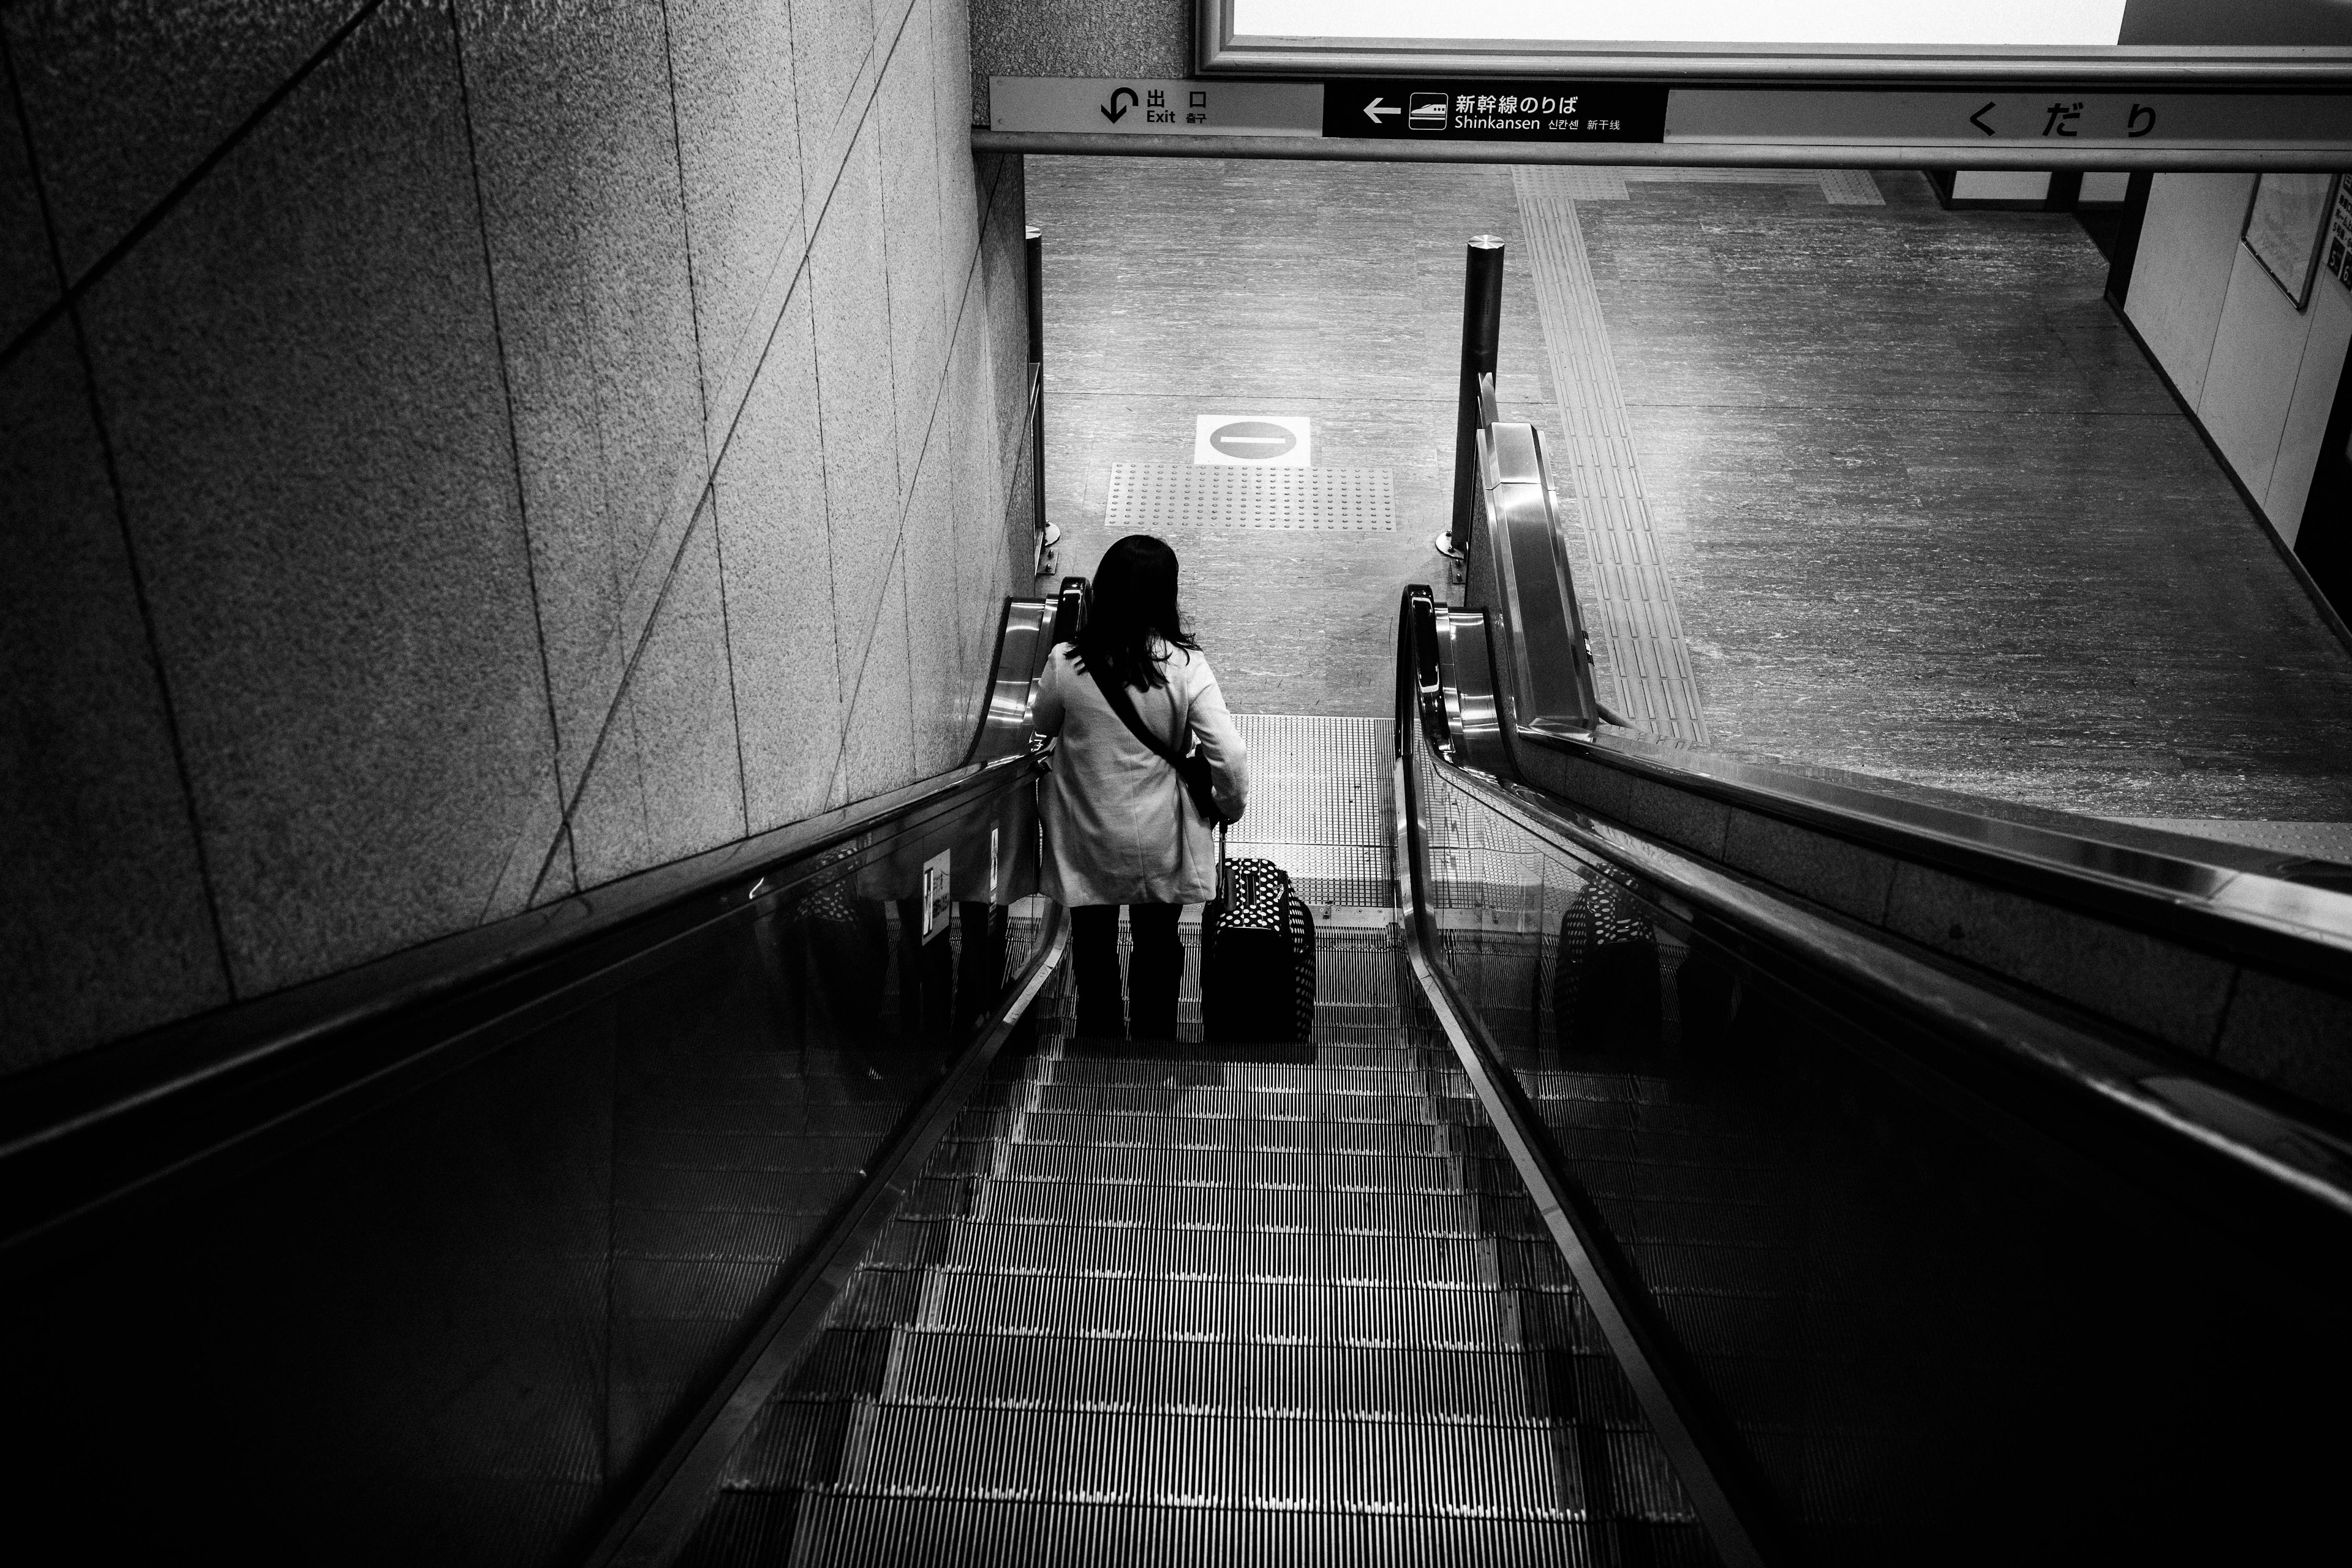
x: 1257, y: 956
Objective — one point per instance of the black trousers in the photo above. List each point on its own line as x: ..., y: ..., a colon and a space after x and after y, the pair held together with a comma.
x: 1153, y: 976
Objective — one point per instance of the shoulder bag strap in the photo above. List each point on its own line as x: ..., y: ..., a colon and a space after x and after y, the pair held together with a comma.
x: 1192, y: 774
x: 1121, y: 704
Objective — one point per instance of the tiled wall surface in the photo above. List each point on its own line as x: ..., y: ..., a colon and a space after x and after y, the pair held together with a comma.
x: 453, y: 454
x: 2260, y: 371
x: 1078, y: 38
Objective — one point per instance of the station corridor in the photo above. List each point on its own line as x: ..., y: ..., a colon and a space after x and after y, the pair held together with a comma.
x: 1782, y: 997
x: 1924, y: 509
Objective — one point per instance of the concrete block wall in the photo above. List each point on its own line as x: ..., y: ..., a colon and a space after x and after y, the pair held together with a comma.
x: 455, y: 453
x: 2259, y: 374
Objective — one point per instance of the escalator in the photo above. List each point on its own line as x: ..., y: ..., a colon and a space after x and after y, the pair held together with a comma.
x: 1150, y: 1303
x: 1695, y: 1160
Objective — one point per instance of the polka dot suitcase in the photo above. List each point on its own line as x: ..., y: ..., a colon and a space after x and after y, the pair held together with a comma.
x: 1257, y: 956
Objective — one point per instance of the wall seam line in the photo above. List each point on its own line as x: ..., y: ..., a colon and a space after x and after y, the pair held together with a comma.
x: 898, y: 534
x: 710, y: 450
x: 629, y: 674
x: 522, y: 494
x: 69, y: 306
x: 898, y: 548
x: 169, y: 200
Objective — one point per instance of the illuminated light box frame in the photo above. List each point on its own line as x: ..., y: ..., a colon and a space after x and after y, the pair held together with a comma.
x: 1877, y: 41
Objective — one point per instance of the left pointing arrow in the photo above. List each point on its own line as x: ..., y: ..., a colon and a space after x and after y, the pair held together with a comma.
x: 1373, y: 111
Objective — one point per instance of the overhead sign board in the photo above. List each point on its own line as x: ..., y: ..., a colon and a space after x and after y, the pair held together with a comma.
x: 1490, y: 110
x: 1148, y: 106
x: 2054, y: 116
x: 2018, y: 125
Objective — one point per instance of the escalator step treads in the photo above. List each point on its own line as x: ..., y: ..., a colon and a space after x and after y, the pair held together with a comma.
x: 1258, y: 1310
x: 1274, y: 1078
x: 1052, y: 1456
x: 1256, y: 1168
x: 876, y: 1298
x: 958, y: 1532
x: 1309, y: 1171
x: 1223, y: 1208
x: 1086, y: 1129
x: 1386, y: 1383
x: 1223, y: 1101
x: 1135, y: 1252
x: 1332, y: 1025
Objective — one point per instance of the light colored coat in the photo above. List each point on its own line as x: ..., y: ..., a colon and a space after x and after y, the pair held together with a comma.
x: 1119, y: 827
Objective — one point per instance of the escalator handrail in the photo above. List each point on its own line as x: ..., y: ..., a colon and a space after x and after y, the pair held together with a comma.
x: 80, y: 1135
x: 2262, y: 903
x: 2263, y: 1141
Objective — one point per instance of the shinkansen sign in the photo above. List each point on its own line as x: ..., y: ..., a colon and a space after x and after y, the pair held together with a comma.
x: 2035, y: 124
x: 1418, y: 108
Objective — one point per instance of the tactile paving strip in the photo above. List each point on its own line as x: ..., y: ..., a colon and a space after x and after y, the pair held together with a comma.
x: 1147, y: 495
x: 1639, y: 623
x: 1602, y: 183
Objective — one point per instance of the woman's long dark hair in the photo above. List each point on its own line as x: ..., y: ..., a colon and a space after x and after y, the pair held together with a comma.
x: 1134, y: 600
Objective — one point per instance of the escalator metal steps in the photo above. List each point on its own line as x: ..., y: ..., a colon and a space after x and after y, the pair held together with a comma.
x: 1356, y: 1043
x: 1286, y: 1305
x: 1223, y: 1208
x: 1265, y: 1311
x: 1101, y: 1131
x: 946, y: 1366
x: 974, y: 1534
x: 1265, y: 1077
x: 1280, y: 1169
x: 1273, y: 1169
x: 1214, y: 1100
x: 1483, y: 1387
x: 1257, y: 1461
x: 974, y: 1247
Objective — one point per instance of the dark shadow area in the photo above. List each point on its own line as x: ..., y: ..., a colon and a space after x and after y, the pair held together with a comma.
x: 2105, y: 225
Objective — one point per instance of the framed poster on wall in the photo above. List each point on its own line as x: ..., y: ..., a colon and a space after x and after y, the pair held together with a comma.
x: 2285, y: 222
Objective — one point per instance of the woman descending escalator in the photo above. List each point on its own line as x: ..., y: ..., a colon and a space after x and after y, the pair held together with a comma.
x: 1147, y: 763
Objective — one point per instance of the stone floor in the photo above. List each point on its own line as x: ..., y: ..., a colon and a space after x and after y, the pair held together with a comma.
x: 1927, y: 510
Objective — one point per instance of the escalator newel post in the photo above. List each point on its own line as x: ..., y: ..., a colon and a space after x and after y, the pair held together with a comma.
x: 1482, y: 330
